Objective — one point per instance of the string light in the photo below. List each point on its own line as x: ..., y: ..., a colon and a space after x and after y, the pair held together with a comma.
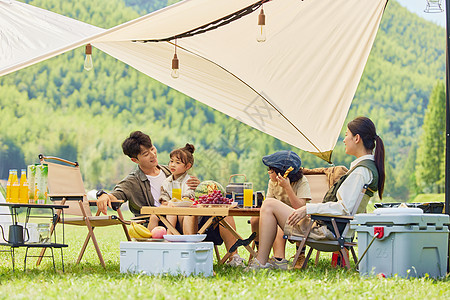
x: 261, y: 33
x: 88, y: 65
x: 175, y: 64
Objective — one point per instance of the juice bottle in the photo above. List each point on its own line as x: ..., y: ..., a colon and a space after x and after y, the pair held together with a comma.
x: 8, y: 186
x: 40, y: 184
x: 14, y: 188
x: 31, y: 178
x: 23, y: 188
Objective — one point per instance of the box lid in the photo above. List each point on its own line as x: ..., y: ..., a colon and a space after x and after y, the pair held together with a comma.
x: 167, y: 245
x: 401, y: 216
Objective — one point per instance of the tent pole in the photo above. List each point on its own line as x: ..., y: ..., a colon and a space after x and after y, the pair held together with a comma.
x: 447, y: 121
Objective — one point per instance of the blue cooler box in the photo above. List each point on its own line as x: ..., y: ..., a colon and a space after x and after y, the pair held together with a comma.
x: 412, y: 243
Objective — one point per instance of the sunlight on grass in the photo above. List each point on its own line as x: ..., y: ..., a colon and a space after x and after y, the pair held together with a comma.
x: 90, y: 280
x: 421, y: 198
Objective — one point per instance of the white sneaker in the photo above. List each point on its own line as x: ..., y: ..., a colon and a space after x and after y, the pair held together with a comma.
x: 254, y: 264
x: 279, y: 264
x: 236, y: 261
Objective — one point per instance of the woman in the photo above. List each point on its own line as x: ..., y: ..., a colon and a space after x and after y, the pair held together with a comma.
x: 368, y: 168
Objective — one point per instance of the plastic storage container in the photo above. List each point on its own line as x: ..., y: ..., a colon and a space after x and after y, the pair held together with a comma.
x: 154, y: 258
x: 410, y: 243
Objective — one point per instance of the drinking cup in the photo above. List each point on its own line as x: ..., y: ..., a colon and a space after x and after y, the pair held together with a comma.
x: 176, y: 190
x: 44, y: 233
x: 248, y: 195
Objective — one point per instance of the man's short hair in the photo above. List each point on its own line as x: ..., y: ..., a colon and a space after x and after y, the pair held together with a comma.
x: 132, y: 144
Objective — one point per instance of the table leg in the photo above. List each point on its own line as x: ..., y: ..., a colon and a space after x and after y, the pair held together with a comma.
x: 56, y: 219
x: 53, y: 258
x: 236, y: 235
x: 168, y: 225
x: 13, y: 257
x: 216, y: 250
x: 206, y: 225
x: 25, y: 260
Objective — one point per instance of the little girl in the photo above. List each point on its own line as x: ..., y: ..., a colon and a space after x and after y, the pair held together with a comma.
x: 181, y: 160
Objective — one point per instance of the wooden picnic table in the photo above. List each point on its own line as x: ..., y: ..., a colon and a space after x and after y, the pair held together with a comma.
x: 213, y: 212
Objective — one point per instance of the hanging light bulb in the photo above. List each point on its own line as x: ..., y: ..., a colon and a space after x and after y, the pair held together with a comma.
x: 175, y: 70
x: 88, y: 65
x: 175, y: 64
x: 261, y: 34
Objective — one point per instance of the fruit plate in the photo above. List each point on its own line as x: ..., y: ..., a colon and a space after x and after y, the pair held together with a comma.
x: 193, y: 238
x: 147, y: 240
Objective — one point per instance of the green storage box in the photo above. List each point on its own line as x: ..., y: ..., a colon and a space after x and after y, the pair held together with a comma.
x: 412, y: 244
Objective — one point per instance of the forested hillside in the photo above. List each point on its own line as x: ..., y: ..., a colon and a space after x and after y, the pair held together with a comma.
x: 57, y: 108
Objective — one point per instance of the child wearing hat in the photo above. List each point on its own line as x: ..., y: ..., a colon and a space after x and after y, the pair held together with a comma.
x: 288, y: 185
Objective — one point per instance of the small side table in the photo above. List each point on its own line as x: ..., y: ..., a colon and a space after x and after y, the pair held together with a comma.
x: 13, y: 207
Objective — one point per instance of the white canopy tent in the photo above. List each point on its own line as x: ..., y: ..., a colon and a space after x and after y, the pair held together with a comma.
x: 297, y: 86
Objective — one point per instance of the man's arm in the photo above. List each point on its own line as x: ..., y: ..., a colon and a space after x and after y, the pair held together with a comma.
x: 119, y: 192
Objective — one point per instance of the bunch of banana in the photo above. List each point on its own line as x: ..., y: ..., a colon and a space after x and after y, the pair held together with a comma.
x: 138, y: 231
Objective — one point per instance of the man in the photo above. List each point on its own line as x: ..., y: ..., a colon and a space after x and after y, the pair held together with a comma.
x: 142, y: 187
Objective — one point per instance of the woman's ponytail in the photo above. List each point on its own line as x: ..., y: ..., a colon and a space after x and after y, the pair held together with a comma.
x: 379, y: 162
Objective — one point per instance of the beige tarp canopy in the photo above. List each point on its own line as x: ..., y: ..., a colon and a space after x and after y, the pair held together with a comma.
x: 30, y: 34
x: 297, y: 86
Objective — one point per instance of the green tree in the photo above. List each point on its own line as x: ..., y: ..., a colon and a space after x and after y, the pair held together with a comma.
x: 405, y: 181
x: 430, y: 154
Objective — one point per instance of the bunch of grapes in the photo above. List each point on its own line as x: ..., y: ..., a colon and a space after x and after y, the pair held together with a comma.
x: 215, y: 197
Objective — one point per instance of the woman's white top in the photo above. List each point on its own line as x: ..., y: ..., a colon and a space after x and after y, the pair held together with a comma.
x: 347, y: 193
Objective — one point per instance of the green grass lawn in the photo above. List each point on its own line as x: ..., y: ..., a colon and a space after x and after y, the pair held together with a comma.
x: 421, y: 198
x: 89, y: 280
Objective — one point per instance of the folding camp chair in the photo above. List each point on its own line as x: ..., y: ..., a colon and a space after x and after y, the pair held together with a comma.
x: 65, y: 185
x: 318, y: 184
x: 339, y: 226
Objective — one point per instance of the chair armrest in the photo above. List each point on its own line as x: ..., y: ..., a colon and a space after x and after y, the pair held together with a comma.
x: 114, y: 203
x: 328, y: 217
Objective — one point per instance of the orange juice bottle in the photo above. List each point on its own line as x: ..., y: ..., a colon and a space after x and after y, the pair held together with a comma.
x: 8, y: 186
x: 14, y: 196
x: 23, y: 188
